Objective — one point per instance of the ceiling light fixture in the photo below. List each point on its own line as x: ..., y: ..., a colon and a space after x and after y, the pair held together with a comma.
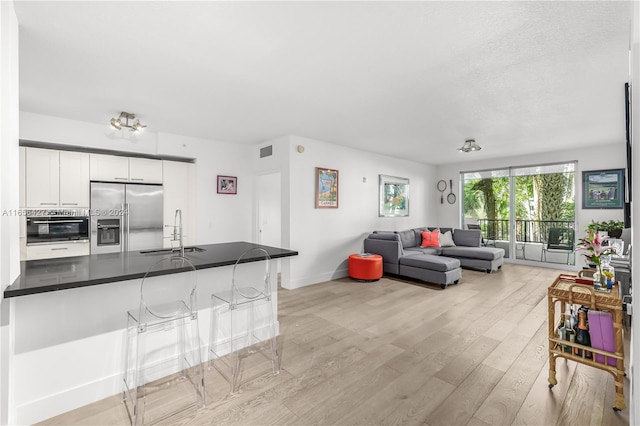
x: 123, y: 121
x: 470, y: 145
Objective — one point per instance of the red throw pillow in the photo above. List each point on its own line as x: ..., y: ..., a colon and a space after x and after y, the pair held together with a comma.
x: 430, y: 239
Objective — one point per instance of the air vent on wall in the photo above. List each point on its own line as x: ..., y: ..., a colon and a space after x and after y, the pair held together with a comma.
x: 266, y: 151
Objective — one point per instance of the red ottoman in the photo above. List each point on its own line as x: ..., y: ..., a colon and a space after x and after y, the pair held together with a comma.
x: 365, y: 268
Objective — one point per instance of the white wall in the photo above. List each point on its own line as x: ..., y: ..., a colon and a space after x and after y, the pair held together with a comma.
x: 325, y: 237
x: 9, y: 160
x: 46, y: 128
x: 219, y: 217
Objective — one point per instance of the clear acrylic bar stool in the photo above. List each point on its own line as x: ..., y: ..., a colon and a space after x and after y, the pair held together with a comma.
x: 242, y: 321
x: 163, y: 364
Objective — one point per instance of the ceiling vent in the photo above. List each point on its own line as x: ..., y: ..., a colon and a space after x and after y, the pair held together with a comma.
x: 266, y: 151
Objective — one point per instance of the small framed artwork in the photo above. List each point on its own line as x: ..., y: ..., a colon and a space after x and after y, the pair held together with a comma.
x: 394, y: 196
x: 603, y: 189
x: 326, y: 188
x: 227, y: 184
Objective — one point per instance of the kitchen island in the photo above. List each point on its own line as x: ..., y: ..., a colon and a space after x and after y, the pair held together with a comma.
x: 68, y: 322
x: 39, y: 276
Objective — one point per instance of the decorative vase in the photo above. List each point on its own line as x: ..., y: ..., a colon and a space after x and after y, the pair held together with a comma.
x: 608, y: 274
x: 598, y: 279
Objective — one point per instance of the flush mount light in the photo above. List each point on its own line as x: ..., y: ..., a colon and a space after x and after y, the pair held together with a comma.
x: 123, y: 121
x: 470, y: 145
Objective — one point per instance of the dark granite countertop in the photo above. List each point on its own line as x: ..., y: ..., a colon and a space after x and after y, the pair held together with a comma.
x: 40, y: 276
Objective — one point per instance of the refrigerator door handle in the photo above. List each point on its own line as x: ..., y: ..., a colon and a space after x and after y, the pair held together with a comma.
x: 125, y: 227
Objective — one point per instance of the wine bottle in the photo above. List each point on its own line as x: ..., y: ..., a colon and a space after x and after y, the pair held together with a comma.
x: 582, y: 334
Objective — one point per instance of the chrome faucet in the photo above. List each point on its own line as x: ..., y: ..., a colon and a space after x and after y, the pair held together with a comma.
x: 177, y: 231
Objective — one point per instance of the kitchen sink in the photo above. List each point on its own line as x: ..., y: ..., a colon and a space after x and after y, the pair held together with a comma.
x: 191, y: 249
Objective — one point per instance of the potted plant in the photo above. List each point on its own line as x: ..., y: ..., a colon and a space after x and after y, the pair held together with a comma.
x: 612, y: 227
x: 597, y: 253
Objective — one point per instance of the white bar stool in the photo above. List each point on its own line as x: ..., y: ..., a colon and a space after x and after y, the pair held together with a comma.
x: 163, y: 345
x: 242, y: 320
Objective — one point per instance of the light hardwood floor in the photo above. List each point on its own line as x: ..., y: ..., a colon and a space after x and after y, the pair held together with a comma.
x: 400, y: 352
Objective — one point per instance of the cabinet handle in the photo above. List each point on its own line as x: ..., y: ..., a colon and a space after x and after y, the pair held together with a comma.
x: 121, y: 178
x: 41, y: 222
x: 69, y: 204
x: 59, y: 248
x: 48, y: 204
x: 142, y: 180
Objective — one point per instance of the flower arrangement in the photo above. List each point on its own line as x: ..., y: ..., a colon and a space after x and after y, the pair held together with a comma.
x: 595, y: 251
x: 592, y: 245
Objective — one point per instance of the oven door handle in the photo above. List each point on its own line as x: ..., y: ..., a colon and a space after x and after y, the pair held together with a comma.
x: 40, y: 222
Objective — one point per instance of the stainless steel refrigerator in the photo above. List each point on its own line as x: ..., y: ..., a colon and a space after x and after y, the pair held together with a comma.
x: 125, y: 217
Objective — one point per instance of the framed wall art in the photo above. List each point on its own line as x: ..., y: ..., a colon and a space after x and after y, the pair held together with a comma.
x: 394, y: 196
x: 227, y: 184
x: 603, y: 189
x: 326, y: 188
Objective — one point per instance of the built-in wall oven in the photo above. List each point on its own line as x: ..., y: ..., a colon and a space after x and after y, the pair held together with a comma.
x: 57, y: 226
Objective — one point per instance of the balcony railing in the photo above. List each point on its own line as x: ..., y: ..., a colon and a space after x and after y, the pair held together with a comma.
x: 527, y: 231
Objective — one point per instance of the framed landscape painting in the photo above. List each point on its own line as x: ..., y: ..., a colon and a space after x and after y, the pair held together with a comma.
x: 603, y: 189
x: 394, y: 196
x: 326, y: 188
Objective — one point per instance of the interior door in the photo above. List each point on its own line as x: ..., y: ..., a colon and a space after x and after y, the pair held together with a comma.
x: 269, y: 209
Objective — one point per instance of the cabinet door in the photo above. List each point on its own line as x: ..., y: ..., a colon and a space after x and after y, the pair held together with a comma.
x: 109, y: 168
x: 74, y: 179
x: 42, y: 177
x: 145, y: 170
x: 50, y: 251
x: 178, y: 194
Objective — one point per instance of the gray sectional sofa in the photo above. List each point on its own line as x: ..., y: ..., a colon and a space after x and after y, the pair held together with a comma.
x: 402, y: 255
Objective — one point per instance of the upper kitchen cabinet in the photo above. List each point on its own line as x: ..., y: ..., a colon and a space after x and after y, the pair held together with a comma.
x: 56, y: 178
x: 42, y: 177
x: 145, y: 170
x: 109, y: 168
x: 74, y: 179
x: 113, y: 168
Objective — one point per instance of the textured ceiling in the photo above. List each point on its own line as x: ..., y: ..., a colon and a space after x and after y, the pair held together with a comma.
x: 407, y: 79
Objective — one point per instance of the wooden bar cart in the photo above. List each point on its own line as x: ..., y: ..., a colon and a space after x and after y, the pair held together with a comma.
x: 565, y: 290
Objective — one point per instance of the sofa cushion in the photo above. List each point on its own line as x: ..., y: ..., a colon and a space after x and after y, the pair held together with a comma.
x: 484, y: 253
x: 407, y: 238
x: 436, y: 251
x: 446, y: 239
x: 430, y: 239
x: 390, y: 236
x: 467, y: 237
x: 428, y: 261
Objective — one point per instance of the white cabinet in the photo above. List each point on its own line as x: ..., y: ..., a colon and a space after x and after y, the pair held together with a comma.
x: 42, y: 177
x: 50, y: 251
x: 145, y: 170
x: 55, y: 178
x: 179, y: 193
x: 109, y: 168
x: 74, y: 179
x: 114, y: 168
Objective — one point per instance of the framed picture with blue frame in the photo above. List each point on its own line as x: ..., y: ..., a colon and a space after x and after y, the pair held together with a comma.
x: 603, y: 189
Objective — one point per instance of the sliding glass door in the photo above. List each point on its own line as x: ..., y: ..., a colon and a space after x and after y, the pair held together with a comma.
x: 528, y: 211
